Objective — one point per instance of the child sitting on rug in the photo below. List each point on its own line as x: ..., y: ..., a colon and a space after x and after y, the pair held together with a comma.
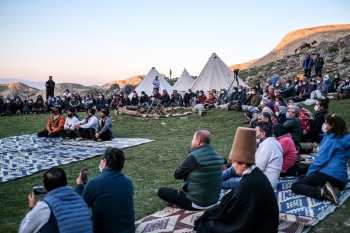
x: 329, y: 169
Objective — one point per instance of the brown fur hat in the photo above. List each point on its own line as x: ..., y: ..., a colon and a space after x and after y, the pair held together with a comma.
x: 244, y: 146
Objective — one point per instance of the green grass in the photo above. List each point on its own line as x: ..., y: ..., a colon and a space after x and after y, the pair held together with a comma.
x: 150, y: 165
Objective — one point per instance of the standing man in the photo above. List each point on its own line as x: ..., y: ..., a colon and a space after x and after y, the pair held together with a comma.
x: 201, y: 173
x: 50, y: 87
x: 307, y: 65
x: 110, y: 195
x: 156, y: 83
x: 61, y: 210
x: 318, y: 65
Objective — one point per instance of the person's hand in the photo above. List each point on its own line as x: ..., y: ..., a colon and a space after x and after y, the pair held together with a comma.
x: 32, y: 200
x: 77, y: 126
x: 79, y: 179
x: 304, y: 132
x: 97, y: 135
x: 50, y: 132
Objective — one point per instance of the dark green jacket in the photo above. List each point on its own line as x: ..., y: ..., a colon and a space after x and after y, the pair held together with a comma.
x: 203, y: 185
x: 294, y: 127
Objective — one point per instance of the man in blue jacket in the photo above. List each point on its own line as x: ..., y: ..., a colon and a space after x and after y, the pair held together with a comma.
x: 61, y: 210
x: 307, y: 65
x: 110, y: 195
x: 104, y: 129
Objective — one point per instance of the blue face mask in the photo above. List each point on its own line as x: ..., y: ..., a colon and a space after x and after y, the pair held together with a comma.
x: 287, y: 115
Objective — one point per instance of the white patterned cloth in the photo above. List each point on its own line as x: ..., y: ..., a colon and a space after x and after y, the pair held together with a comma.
x: 24, y: 155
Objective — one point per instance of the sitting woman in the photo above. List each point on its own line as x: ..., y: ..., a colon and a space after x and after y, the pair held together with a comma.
x: 287, y: 144
x: 330, y: 167
x: 252, y: 206
x: 321, y: 109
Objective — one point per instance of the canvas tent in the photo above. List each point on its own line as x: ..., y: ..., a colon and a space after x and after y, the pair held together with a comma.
x: 216, y: 75
x: 184, y: 82
x: 147, y: 86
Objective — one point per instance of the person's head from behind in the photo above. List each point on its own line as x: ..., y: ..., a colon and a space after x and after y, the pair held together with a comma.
x: 113, y: 158
x: 322, y: 104
x: 243, y: 150
x: 263, y: 130
x: 201, y: 137
x: 279, y: 130
x: 54, y: 178
x: 336, y: 124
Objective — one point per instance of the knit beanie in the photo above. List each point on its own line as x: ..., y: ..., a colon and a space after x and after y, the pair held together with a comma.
x: 244, y: 146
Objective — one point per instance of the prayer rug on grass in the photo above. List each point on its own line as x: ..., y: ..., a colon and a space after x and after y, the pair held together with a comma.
x: 24, y: 155
x: 302, y: 206
x: 297, y: 213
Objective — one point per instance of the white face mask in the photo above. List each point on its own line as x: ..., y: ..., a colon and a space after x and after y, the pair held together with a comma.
x: 222, y: 92
x: 239, y: 90
x: 318, y: 81
x: 304, y: 83
x: 296, y: 80
x: 287, y: 85
x: 316, y: 108
x: 7, y: 101
x: 234, y: 91
x: 336, y: 76
x: 300, y: 84
x: 277, y: 113
x: 347, y: 80
x: 200, y: 94
x: 277, y: 103
x: 324, y: 130
x: 325, y: 78
x: 253, y: 92
x: 277, y: 85
x: 287, y: 115
x: 100, y: 166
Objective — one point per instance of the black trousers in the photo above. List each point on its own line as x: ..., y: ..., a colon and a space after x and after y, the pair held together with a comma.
x: 176, y: 197
x: 45, y: 133
x: 88, y: 133
x: 105, y: 136
x: 307, y: 73
x: 68, y: 133
x: 318, y: 71
x: 311, y: 185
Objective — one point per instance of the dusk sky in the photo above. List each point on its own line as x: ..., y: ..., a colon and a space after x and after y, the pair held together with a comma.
x: 94, y: 42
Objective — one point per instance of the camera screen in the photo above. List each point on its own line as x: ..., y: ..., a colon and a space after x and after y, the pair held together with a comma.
x: 38, y: 190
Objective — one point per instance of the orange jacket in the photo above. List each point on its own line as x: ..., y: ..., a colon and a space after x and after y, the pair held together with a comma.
x: 55, y: 124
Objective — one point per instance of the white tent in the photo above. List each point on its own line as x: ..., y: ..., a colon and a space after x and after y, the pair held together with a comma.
x: 184, y: 82
x: 147, y: 86
x: 216, y: 75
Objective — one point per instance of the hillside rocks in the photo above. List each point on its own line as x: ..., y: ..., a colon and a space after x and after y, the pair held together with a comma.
x: 336, y: 55
x: 308, y: 39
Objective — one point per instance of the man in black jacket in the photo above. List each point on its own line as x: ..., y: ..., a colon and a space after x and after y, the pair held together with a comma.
x: 318, y: 65
x: 50, y: 87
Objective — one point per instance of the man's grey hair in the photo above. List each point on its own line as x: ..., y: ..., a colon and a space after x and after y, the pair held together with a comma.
x: 295, y: 109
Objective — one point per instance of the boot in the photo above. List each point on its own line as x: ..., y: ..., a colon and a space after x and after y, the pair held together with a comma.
x: 341, y: 96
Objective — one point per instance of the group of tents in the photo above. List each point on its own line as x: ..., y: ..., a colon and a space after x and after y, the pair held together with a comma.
x: 215, y: 75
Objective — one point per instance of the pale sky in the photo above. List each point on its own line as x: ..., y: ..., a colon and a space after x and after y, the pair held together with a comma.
x: 94, y: 42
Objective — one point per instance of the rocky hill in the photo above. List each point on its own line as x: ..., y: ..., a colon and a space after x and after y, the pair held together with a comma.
x: 16, y: 88
x: 286, y: 62
x: 243, y: 66
x: 134, y: 81
x: 302, y: 40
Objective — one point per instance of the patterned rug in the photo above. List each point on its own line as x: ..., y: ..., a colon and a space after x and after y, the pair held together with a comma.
x: 297, y: 213
x: 24, y: 155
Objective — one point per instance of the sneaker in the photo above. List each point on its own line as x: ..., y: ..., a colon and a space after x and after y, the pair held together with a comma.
x: 340, y: 96
x: 330, y: 194
x: 229, y: 107
x: 80, y: 139
x: 246, y: 122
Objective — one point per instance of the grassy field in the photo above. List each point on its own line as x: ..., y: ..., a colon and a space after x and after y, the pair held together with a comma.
x: 150, y: 165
